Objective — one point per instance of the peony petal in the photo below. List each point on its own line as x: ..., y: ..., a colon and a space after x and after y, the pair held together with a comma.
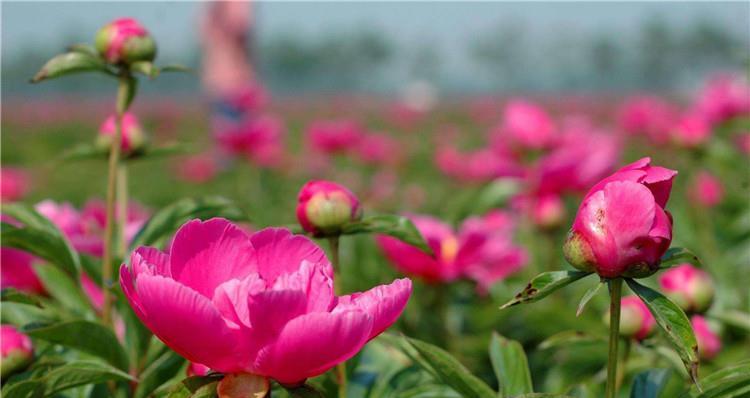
x: 127, y: 283
x: 312, y: 280
x: 206, y: 254
x: 156, y: 260
x: 659, y: 181
x: 189, y: 324
x: 312, y: 344
x: 271, y: 310
x: 230, y: 298
x: 384, y: 303
x: 281, y: 252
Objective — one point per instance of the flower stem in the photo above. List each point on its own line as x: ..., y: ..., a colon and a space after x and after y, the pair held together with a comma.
x: 340, y: 368
x: 615, y: 292
x: 123, y: 91
x: 122, y: 208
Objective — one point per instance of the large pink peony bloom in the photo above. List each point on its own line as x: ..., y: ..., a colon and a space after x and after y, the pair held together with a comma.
x: 482, y: 250
x: 260, y: 303
x: 622, y: 228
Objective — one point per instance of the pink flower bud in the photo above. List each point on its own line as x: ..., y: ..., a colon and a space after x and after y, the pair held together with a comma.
x: 197, y: 369
x: 622, y: 228
x: 133, y: 138
x: 706, y: 190
x: 689, y: 287
x: 17, y: 350
x: 709, y: 343
x: 125, y: 40
x: 636, y: 320
x: 323, y: 207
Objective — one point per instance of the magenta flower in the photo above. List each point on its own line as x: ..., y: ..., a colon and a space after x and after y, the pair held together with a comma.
x: 692, y: 131
x: 482, y: 250
x: 622, y: 228
x: 14, y: 183
x: 709, y: 342
x: 689, y: 287
x: 260, y: 140
x: 133, y: 138
x: 378, y: 149
x: 706, y: 190
x: 526, y: 125
x: 125, y: 40
x: 261, y: 304
x: 636, y: 321
x: 333, y: 136
x: 648, y: 115
x: 724, y: 97
x: 17, y: 272
x: 324, y: 207
x: 197, y: 169
x: 16, y: 350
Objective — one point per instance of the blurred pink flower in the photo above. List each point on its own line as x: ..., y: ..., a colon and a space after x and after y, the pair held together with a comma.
x: 16, y: 350
x: 689, y: 287
x: 545, y: 209
x: 709, y: 342
x: 133, y: 137
x: 378, y: 149
x: 14, y: 183
x: 525, y: 125
x: 648, y: 115
x: 261, y: 304
x: 706, y: 189
x: 743, y: 143
x: 482, y: 165
x: 724, y: 97
x: 636, y: 320
x: 622, y: 228
x: 691, y: 131
x: 17, y: 272
x: 250, y: 97
x: 260, y: 140
x: 333, y: 136
x: 197, y: 169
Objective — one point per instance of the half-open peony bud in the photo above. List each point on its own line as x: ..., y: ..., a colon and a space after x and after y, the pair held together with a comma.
x: 133, y: 137
x: 621, y: 228
x: 689, y: 287
x: 17, y: 350
x: 324, y: 207
x: 636, y: 320
x: 243, y: 385
x: 124, y: 41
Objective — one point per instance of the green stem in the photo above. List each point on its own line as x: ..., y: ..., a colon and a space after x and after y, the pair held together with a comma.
x: 615, y: 292
x: 340, y: 368
x: 622, y: 369
x: 123, y: 91
x: 122, y: 208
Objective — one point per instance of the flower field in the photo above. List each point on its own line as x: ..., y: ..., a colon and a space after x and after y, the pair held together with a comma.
x: 351, y: 245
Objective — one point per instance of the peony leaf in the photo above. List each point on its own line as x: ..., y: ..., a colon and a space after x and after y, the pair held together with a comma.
x: 650, y: 383
x: 544, y: 284
x: 675, y: 324
x: 678, y: 255
x: 71, y: 62
x: 61, y: 378
x: 166, y: 221
x: 395, y: 226
x: 163, y: 368
x: 12, y: 295
x: 588, y: 296
x: 86, y: 336
x: 448, y: 370
x: 511, y: 366
x: 38, y: 236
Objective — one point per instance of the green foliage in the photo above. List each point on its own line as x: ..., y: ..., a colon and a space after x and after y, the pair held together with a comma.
x: 544, y: 284
x: 398, y: 227
x: 511, y: 367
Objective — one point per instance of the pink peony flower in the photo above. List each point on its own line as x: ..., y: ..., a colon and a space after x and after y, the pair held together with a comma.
x: 14, y: 183
x: 17, y: 272
x: 16, y: 350
x: 481, y: 165
x: 133, y: 137
x: 636, y: 320
x: 526, y: 125
x: 482, y: 250
x: 333, y: 136
x: 323, y: 207
x: 689, y: 287
x: 197, y: 169
x: 125, y: 40
x: 622, y: 228
x: 724, y: 97
x: 691, y: 131
x: 709, y: 342
x: 706, y: 190
x: 261, y: 304
x: 648, y: 115
x: 378, y: 149
x: 260, y: 140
